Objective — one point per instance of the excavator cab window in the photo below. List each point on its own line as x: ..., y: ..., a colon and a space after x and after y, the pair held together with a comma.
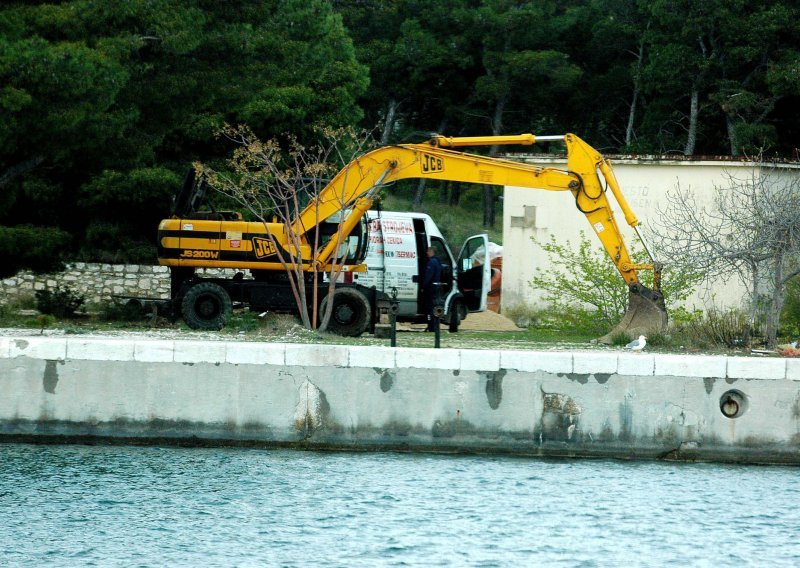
x: 190, y: 198
x: 353, y: 248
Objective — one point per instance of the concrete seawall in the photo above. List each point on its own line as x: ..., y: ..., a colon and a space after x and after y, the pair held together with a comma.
x: 553, y: 403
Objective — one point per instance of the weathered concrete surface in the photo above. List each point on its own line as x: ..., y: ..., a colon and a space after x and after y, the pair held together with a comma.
x: 591, y: 404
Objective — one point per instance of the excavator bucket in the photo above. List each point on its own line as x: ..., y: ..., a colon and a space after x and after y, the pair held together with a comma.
x: 646, y: 314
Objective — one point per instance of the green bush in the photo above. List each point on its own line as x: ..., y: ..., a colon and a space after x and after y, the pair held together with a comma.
x: 39, y: 249
x: 620, y: 339
x: 729, y: 328
x: 22, y: 301
x: 568, y: 318
x: 790, y: 317
x: 60, y: 302
x: 585, y: 276
x: 661, y: 340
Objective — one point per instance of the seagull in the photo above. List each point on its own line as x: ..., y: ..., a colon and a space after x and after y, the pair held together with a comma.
x: 637, y: 344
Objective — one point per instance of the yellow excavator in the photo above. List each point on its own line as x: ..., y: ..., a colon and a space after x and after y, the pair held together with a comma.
x: 193, y: 239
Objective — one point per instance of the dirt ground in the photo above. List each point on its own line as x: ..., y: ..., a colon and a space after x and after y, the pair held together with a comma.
x: 488, y: 321
x: 482, y: 321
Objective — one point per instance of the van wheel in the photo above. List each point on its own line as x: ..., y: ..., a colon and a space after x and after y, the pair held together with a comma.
x: 351, y: 312
x: 206, y: 306
x: 455, y: 317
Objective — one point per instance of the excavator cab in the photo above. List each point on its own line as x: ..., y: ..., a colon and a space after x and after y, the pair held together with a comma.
x: 190, y: 198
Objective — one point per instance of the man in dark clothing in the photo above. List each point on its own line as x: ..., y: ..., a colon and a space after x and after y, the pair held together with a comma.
x: 430, y: 285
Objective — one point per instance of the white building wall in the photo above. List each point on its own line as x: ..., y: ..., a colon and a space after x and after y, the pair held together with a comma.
x: 645, y: 182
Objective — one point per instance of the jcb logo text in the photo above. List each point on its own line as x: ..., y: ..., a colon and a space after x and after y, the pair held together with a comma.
x: 432, y: 164
x: 263, y: 247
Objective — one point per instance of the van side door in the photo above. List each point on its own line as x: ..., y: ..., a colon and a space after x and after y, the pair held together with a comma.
x: 474, y: 272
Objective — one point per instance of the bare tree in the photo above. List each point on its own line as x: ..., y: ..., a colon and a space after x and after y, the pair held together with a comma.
x: 277, y: 182
x: 752, y: 231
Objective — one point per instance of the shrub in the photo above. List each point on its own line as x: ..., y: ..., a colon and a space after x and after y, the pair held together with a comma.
x: 22, y: 301
x: 790, y: 317
x: 620, y: 339
x: 60, y: 302
x: 556, y: 317
x: 718, y: 327
x: 585, y: 275
x: 36, y: 248
x: 121, y: 311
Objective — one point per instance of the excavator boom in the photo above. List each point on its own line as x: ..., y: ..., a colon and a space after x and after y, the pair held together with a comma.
x: 586, y: 171
x: 350, y: 194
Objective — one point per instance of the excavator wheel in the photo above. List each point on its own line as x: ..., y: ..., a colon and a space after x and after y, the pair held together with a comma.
x: 646, y: 315
x: 351, y: 312
x: 206, y: 306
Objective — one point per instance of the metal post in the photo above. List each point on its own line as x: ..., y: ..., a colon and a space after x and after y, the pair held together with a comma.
x: 393, y: 309
x: 392, y: 328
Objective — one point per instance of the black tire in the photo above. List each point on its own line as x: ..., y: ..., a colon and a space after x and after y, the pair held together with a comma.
x: 351, y: 312
x: 206, y: 306
x: 454, y: 317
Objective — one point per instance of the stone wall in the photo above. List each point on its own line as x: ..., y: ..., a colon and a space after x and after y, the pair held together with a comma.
x: 97, y: 282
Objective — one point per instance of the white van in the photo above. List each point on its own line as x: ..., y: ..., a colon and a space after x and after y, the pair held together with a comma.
x: 396, y: 257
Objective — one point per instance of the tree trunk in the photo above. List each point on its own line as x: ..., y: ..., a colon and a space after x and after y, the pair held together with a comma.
x: 488, y: 190
x: 444, y: 192
x: 455, y: 194
x: 732, y: 136
x: 635, y: 100
x: 776, y: 303
x: 388, y: 125
x: 19, y: 169
x: 748, y: 334
x: 631, y: 117
x: 416, y: 204
x: 694, y: 110
x: 488, y: 206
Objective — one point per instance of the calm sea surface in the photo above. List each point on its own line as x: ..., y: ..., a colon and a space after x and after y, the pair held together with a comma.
x: 135, y: 506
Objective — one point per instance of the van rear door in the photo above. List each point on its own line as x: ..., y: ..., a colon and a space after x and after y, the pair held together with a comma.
x: 475, y: 272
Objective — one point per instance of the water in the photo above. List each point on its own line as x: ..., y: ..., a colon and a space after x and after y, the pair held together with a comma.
x: 150, y: 506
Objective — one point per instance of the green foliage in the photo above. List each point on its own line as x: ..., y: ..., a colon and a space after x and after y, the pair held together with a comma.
x: 22, y: 301
x: 664, y: 340
x: 103, y: 102
x: 36, y: 248
x: 620, y: 339
x: 790, y: 317
x: 729, y: 328
x: 566, y: 319
x: 112, y: 243
x: 585, y: 276
x: 244, y: 321
x: 59, y: 302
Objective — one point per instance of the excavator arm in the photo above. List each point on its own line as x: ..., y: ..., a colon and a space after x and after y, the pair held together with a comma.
x: 191, y: 239
x: 354, y: 188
